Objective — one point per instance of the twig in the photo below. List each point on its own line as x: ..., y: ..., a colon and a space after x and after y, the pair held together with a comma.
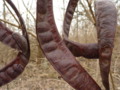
x: 11, y: 12
x: 9, y: 23
x: 91, y: 11
x: 112, y: 81
x: 87, y: 13
x: 32, y: 34
x: 4, y: 11
x: 28, y: 10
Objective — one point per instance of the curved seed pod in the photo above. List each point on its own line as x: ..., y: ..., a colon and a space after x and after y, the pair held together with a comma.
x: 16, y: 67
x: 106, y: 19
x: 77, y: 48
x: 23, y: 28
x: 68, y: 17
x: 89, y: 51
x: 10, y: 38
x: 12, y: 70
x: 57, y: 53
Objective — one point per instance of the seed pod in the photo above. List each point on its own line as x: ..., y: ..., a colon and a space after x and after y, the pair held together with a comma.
x: 106, y: 21
x: 56, y: 51
x: 89, y: 51
x: 16, y: 41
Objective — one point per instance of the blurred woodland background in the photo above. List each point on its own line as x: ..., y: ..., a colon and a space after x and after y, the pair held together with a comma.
x: 39, y: 74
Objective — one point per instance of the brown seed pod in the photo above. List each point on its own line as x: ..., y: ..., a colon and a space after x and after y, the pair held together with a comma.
x: 14, y: 40
x: 57, y: 53
x: 106, y: 19
x: 68, y: 17
x: 89, y: 51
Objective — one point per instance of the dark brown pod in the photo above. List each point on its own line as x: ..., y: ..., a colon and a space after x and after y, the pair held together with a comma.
x: 89, y: 51
x: 56, y: 51
x: 14, y: 40
x: 106, y: 18
x: 106, y: 21
x: 68, y: 17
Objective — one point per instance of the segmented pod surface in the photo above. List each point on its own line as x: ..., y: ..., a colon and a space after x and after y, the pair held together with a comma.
x: 14, y: 40
x: 56, y: 51
x: 10, y: 38
x: 68, y: 17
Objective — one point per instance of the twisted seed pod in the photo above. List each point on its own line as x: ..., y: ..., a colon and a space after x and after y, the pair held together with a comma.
x: 57, y: 53
x: 16, y: 67
x: 106, y: 21
x: 105, y: 14
x: 89, y: 51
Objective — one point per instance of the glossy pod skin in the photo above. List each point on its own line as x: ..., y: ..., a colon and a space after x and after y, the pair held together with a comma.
x: 56, y: 51
x: 14, y: 40
x: 106, y: 22
x: 106, y: 19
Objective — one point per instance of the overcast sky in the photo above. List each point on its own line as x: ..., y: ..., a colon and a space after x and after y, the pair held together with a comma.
x: 58, y: 8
